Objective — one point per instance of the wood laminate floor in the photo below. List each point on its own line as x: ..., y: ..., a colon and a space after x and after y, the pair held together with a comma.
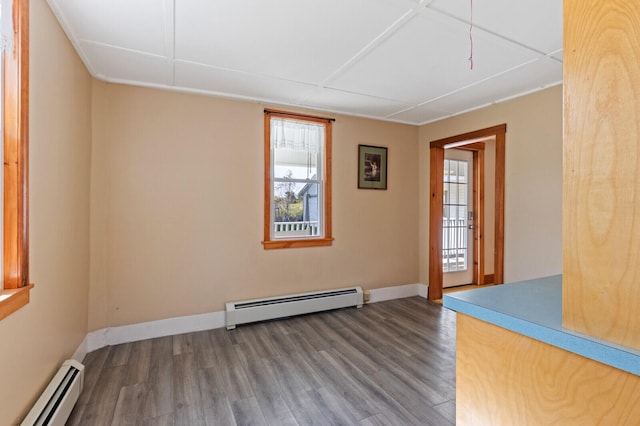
x: 388, y: 363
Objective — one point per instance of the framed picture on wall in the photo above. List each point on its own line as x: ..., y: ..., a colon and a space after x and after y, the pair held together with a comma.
x: 372, y: 167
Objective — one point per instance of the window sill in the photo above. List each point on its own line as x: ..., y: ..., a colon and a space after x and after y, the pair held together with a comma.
x: 13, y: 299
x: 280, y: 244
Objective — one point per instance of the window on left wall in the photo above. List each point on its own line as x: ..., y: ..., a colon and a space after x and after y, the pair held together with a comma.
x: 14, y: 292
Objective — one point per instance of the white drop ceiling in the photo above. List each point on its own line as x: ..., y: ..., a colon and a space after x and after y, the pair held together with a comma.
x: 395, y: 60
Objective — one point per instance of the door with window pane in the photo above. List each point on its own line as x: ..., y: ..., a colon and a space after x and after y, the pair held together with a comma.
x: 457, y: 218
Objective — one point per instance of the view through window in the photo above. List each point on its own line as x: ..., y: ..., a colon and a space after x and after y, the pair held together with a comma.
x: 297, y: 179
x: 454, y: 226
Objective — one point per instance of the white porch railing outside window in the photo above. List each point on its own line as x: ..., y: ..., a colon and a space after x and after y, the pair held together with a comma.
x: 454, y: 244
x: 295, y: 229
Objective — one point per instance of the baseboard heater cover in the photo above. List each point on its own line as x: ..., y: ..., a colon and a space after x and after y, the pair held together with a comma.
x: 57, y: 401
x: 295, y: 304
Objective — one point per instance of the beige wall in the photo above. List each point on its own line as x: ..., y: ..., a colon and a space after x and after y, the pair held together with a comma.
x: 177, y: 209
x: 147, y: 204
x: 533, y: 180
x: 37, y: 338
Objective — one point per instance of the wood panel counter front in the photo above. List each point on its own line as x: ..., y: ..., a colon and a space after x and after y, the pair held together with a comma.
x: 515, y: 364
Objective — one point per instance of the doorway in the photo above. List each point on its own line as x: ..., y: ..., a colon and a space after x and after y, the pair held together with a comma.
x: 471, y: 141
x: 457, y: 218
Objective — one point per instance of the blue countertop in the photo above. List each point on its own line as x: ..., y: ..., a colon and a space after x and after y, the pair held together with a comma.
x: 534, y: 308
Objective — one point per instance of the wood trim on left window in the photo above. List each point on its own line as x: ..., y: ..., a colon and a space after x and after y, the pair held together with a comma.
x: 16, y: 153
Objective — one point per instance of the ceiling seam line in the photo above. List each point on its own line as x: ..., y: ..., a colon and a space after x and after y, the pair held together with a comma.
x: 493, y: 33
x: 390, y: 30
x: 453, y: 92
x: 460, y: 89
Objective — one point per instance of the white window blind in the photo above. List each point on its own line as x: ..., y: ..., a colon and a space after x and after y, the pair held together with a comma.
x: 296, y: 136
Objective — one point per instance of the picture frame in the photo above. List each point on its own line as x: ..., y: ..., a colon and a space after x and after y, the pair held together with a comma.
x: 372, y: 167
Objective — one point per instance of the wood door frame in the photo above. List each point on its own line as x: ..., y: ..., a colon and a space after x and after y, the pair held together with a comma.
x: 436, y: 152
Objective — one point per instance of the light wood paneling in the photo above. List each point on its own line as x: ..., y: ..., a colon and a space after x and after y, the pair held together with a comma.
x: 504, y: 378
x: 601, y: 205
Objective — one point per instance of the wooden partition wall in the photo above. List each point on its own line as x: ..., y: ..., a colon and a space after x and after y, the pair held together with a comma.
x: 601, y: 206
x: 504, y: 377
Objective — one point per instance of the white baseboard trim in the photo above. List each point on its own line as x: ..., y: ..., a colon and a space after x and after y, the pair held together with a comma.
x: 148, y: 330
x: 397, y: 292
x: 170, y: 326
x: 423, y: 291
x: 82, y: 350
x: 97, y: 339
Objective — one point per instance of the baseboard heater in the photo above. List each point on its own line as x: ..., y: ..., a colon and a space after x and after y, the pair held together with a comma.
x: 56, y: 402
x: 295, y: 304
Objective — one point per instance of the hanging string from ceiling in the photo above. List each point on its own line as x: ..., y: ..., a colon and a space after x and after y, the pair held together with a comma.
x: 471, y: 35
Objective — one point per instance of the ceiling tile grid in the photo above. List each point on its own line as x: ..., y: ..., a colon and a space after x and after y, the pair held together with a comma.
x: 397, y: 60
x: 299, y: 40
x: 222, y: 82
x: 429, y: 57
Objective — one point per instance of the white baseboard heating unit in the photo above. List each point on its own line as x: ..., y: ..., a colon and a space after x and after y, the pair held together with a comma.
x: 295, y: 304
x: 56, y: 402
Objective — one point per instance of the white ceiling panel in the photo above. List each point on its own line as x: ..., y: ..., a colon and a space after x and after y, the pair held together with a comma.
x: 236, y: 84
x: 130, y: 24
x: 116, y: 64
x: 398, y: 60
x: 537, y: 24
x: 534, y: 76
x: 352, y: 103
x: 429, y: 57
x: 557, y: 54
x: 301, y: 40
x: 417, y: 115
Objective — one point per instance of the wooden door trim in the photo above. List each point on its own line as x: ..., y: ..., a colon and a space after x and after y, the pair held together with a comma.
x: 436, y: 199
x: 435, y: 222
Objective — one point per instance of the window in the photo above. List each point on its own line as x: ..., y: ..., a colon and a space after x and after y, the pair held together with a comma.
x: 454, y: 216
x: 297, y: 190
x: 14, y: 292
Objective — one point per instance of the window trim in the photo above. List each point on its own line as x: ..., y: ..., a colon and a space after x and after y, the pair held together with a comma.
x: 15, y: 291
x: 326, y: 239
